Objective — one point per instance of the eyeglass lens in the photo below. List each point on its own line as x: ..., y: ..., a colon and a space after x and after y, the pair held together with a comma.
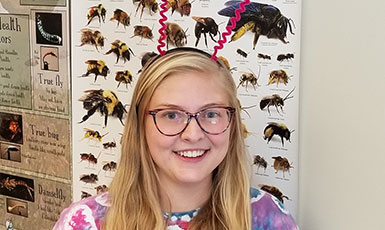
x: 212, y: 120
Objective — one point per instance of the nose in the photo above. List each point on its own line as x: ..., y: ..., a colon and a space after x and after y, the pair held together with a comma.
x: 193, y: 131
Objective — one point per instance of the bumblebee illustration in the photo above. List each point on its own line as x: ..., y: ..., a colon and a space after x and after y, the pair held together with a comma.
x: 91, y: 37
x: 96, y: 11
x: 143, y: 32
x: 97, y: 67
x: 122, y: 18
x: 175, y: 34
x: 123, y: 77
x: 104, y: 101
x: 151, y: 5
x: 277, y: 76
x: 259, y: 18
x: 182, y: 6
x: 279, y: 129
x: 260, y: 162
x: 121, y: 50
x: 274, y: 100
x: 282, y: 163
x: 205, y: 25
x: 274, y: 191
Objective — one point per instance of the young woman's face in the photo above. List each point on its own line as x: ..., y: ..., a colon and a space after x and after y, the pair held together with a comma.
x: 190, y: 92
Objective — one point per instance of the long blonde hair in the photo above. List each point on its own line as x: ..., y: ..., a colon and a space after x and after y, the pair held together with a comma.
x: 134, y: 191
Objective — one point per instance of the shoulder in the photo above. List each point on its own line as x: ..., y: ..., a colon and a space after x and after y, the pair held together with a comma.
x: 85, y: 214
x: 268, y: 213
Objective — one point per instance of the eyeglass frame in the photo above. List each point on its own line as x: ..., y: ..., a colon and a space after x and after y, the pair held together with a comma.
x: 231, y: 110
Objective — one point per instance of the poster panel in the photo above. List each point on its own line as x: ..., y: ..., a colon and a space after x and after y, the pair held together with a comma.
x: 15, y: 84
x: 263, y: 57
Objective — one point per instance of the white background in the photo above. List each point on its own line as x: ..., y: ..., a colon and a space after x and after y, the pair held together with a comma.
x: 342, y: 112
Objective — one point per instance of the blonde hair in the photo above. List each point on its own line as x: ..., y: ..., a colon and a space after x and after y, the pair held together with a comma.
x: 134, y: 191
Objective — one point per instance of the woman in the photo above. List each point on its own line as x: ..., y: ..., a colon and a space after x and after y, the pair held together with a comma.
x: 183, y: 163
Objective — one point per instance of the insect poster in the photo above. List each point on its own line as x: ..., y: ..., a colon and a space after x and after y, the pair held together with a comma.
x: 35, y: 145
x: 262, y: 50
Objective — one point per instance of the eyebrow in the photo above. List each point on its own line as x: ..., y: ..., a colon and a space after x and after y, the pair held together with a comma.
x: 173, y: 106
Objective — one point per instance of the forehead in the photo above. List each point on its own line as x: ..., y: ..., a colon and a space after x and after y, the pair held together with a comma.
x: 190, y: 91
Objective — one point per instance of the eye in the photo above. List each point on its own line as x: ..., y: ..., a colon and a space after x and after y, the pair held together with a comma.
x: 170, y: 115
x: 212, y: 114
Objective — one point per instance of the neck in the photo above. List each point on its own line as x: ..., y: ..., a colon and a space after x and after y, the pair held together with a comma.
x: 184, y: 197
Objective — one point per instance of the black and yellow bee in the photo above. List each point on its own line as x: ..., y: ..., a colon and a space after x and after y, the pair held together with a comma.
x: 123, y: 77
x: 121, y: 50
x: 97, y: 67
x: 278, y: 76
x: 279, y: 129
x: 105, y: 101
x: 92, y: 134
x: 96, y: 11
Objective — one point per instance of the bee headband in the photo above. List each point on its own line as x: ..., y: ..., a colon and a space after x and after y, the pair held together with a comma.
x: 219, y: 46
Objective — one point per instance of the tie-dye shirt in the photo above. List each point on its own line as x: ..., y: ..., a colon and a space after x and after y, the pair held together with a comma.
x: 268, y: 213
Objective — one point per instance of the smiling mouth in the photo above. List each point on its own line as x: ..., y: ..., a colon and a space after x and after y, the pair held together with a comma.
x: 191, y: 154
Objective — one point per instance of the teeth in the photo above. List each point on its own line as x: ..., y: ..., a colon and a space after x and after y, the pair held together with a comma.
x: 191, y: 153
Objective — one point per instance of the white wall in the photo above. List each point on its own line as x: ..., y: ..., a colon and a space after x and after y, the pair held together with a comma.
x: 342, y: 115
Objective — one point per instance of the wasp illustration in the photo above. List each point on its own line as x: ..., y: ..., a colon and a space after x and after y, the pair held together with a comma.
x: 11, y: 128
x: 101, y: 188
x: 92, y: 37
x: 151, y: 5
x: 260, y: 162
x: 249, y: 77
x: 278, y: 76
x: 123, y: 77
x: 104, y: 101
x: 97, y: 67
x: 109, y: 145
x: 264, y: 56
x: 93, y: 134
x: 182, y: 6
x: 175, y: 34
x: 45, y: 62
x: 88, y: 157
x: 96, y: 11
x: 274, y: 191
x: 242, y: 53
x: 85, y: 195
x: 261, y: 19
x: 274, y: 100
x: 279, y: 129
x: 121, y: 50
x: 89, y: 178
x: 11, y: 184
x: 227, y: 63
x: 122, y: 18
x: 143, y: 32
x: 205, y: 25
x: 283, y: 57
x: 282, y: 163
x: 110, y: 166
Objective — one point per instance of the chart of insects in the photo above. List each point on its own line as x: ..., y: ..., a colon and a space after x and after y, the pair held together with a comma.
x: 110, y: 38
x: 35, y: 159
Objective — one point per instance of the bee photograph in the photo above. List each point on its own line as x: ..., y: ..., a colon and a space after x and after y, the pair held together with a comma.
x: 151, y: 7
x: 17, y: 207
x: 17, y: 187
x: 106, y: 102
x: 282, y: 164
x: 260, y: 19
x: 92, y: 135
x: 10, y: 152
x: 121, y: 17
x: 175, y: 35
x: 49, y: 58
x: 11, y: 128
x: 205, y: 25
x: 279, y: 129
x: 49, y: 29
x: 249, y: 78
x: 124, y: 77
x: 92, y: 37
x: 96, y: 67
x: 96, y: 13
x: 274, y: 100
x: 121, y: 50
x: 143, y: 32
